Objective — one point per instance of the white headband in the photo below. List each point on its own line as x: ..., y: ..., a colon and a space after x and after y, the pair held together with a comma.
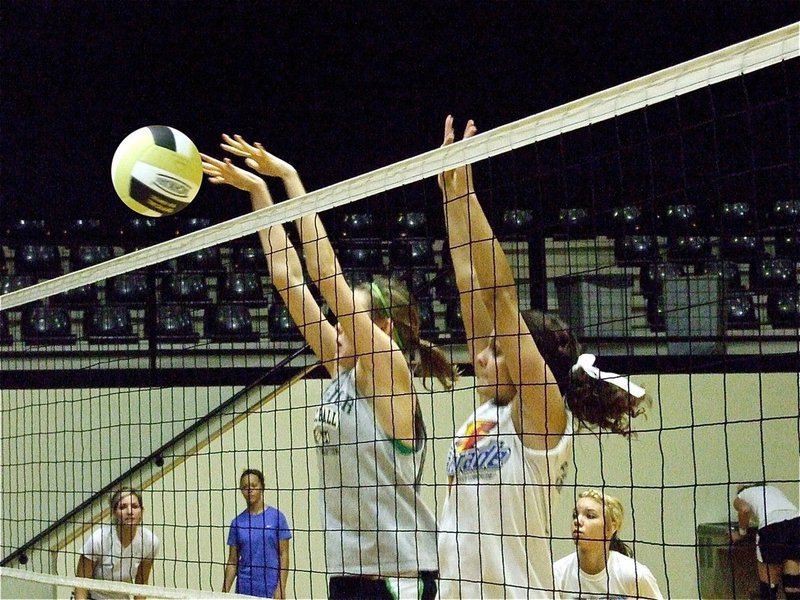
x: 586, y: 362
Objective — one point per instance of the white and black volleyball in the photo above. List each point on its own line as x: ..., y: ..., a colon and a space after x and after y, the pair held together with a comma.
x: 157, y: 171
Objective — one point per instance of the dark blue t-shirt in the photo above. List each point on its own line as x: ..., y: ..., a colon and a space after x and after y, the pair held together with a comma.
x: 257, y: 539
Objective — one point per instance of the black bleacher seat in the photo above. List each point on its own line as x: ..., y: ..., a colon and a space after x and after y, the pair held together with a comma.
x: 427, y: 320
x: 361, y: 254
x: 87, y: 256
x: 140, y: 232
x: 45, y: 325
x: 628, y: 220
x: 357, y: 226
x: 655, y: 313
x: 27, y: 231
x: 241, y: 288
x: 130, y: 289
x: 411, y: 252
x: 741, y: 248
x: 83, y: 296
x: 87, y: 231
x: 517, y: 223
x: 413, y: 224
x: 280, y: 326
x: 728, y: 271
x: 770, y: 274
x: 740, y: 311
x: 12, y: 283
x: 174, y: 324
x: 184, y: 225
x: 40, y: 260
x: 357, y: 277
x: 691, y: 249
x: 418, y: 280
x: 229, y: 323
x: 786, y: 213
x: 109, y: 325
x: 575, y: 224
x: 248, y: 258
x: 652, y: 275
x: 679, y: 220
x: 787, y: 244
x: 5, y: 331
x: 207, y: 261
x: 783, y: 309
x: 634, y: 250
x: 453, y: 323
x: 190, y: 289
x: 445, y: 287
x: 737, y: 218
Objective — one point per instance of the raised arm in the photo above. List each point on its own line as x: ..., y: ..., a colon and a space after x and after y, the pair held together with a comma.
x: 489, y: 302
x: 381, y: 369
x: 283, y: 261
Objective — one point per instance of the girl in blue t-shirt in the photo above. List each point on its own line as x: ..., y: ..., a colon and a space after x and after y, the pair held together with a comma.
x: 258, y: 541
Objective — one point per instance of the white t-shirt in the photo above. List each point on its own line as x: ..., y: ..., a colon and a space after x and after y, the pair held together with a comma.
x: 769, y: 505
x: 113, y: 562
x: 494, y: 534
x: 623, y: 577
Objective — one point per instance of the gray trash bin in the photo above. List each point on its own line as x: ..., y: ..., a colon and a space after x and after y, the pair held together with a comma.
x: 725, y: 570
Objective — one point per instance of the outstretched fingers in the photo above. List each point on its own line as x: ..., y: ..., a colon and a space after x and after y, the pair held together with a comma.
x: 449, y: 133
x: 237, y: 145
x: 470, y: 130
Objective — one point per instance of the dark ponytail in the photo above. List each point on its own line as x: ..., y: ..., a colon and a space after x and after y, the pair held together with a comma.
x: 594, y: 403
x: 617, y: 545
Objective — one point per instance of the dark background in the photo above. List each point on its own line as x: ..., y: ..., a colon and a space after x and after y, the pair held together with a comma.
x: 337, y: 88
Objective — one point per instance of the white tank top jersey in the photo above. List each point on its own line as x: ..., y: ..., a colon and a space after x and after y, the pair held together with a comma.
x: 375, y: 520
x: 112, y: 562
x: 769, y: 505
x: 494, y: 535
x: 623, y: 577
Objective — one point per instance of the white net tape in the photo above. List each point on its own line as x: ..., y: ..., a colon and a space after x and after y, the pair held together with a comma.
x: 131, y: 589
x: 733, y: 61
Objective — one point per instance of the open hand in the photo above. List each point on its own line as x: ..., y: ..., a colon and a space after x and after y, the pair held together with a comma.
x: 224, y: 171
x: 256, y: 157
x: 457, y: 182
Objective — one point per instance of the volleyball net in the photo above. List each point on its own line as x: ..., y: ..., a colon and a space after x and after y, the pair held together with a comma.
x: 660, y: 218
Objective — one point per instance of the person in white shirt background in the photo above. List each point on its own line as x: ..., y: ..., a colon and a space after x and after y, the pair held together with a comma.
x: 777, y: 539
x: 602, y: 565
x: 121, y: 551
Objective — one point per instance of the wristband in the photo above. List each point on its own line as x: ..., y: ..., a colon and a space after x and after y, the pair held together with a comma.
x: 742, y: 531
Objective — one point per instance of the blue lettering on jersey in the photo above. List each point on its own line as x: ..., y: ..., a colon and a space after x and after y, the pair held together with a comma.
x: 486, y: 457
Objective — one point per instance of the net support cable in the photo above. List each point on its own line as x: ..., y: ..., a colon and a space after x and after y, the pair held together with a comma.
x: 174, y: 453
x: 721, y: 65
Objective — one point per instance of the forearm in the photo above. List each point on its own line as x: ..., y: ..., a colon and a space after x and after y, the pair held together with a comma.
x: 283, y: 579
x: 230, y: 576
x: 320, y: 257
x: 282, y: 259
x: 291, y: 181
x: 85, y: 569
x: 479, y: 260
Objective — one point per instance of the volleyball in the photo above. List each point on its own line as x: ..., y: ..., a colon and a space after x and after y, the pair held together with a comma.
x: 156, y: 171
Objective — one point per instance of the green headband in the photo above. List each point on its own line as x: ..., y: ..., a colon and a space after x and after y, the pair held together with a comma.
x: 378, y: 295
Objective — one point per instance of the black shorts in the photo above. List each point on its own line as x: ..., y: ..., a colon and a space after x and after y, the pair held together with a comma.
x: 347, y: 587
x: 780, y: 541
